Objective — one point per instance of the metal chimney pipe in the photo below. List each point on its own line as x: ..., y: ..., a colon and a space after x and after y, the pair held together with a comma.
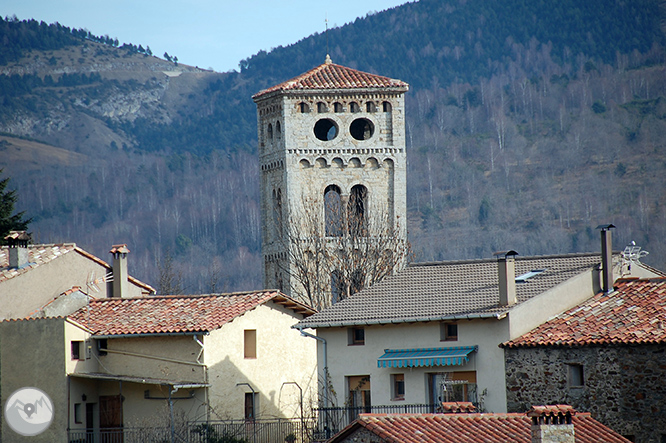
x: 606, y: 258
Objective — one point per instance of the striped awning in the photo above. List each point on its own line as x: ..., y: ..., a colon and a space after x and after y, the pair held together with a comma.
x: 415, y: 358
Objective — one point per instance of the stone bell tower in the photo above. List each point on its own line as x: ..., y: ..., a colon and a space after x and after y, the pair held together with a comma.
x: 333, y: 180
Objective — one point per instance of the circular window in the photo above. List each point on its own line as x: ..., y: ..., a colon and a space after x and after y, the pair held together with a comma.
x: 361, y: 129
x: 325, y: 129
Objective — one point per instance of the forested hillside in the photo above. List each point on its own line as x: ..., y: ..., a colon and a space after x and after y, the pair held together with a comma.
x: 528, y: 124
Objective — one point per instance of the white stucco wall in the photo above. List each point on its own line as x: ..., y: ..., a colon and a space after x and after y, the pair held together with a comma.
x: 283, y: 355
x: 25, y: 293
x: 31, y: 355
x: 488, y: 361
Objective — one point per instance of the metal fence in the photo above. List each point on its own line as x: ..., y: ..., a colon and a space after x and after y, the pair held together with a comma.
x: 332, y: 420
x: 326, y: 423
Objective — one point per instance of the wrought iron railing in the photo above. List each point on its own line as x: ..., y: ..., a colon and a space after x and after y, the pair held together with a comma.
x: 332, y: 420
x: 326, y: 423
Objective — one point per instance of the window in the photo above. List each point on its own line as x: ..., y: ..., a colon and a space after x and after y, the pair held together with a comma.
x: 356, y: 336
x: 371, y: 107
x: 356, y: 211
x: 76, y: 350
x: 361, y: 129
x: 337, y: 287
x: 102, y: 346
x: 337, y: 107
x: 250, y: 405
x: 386, y: 106
x: 354, y: 107
x: 278, y: 129
x: 325, y: 129
x: 451, y: 386
x: 321, y: 107
x: 576, y: 375
x: 359, y: 394
x: 277, y: 211
x: 397, y: 386
x: 270, y: 131
x: 250, y: 343
x: 357, y: 281
x: 303, y: 108
x: 448, y: 331
x: 333, y: 211
x: 77, y: 413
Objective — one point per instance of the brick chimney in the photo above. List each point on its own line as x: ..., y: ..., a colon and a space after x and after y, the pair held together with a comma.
x: 18, y: 248
x: 606, y: 258
x: 506, y: 270
x: 120, y: 284
x: 552, y: 424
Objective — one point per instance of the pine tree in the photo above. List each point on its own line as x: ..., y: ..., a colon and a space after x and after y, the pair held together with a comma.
x: 9, y: 222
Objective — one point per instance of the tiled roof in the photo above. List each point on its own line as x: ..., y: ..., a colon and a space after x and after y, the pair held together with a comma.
x: 37, y: 256
x: 174, y: 314
x: 41, y: 254
x: 635, y: 313
x: 447, y: 290
x: 469, y: 428
x: 332, y: 76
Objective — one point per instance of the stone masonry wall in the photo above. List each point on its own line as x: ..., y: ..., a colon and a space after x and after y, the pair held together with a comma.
x: 295, y: 162
x: 624, y: 386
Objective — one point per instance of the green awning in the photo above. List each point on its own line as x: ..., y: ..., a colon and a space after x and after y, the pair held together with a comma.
x: 424, y: 357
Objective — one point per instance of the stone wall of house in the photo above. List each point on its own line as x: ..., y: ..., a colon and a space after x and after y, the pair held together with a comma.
x: 623, y: 386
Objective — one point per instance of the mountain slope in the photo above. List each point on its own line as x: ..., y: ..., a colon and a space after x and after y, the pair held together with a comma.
x: 528, y: 124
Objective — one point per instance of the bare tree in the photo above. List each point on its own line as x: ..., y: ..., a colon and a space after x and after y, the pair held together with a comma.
x: 338, y: 249
x: 170, y: 280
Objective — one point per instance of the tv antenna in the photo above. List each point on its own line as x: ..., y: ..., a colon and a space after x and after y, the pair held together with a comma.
x: 326, y: 21
x: 632, y: 254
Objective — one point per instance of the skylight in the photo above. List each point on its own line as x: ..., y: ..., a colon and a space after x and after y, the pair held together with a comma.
x: 526, y: 276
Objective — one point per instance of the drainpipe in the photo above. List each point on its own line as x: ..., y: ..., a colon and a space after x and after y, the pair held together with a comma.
x: 606, y: 258
x: 307, y: 334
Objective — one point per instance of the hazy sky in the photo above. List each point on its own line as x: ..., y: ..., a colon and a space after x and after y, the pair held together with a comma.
x: 206, y: 33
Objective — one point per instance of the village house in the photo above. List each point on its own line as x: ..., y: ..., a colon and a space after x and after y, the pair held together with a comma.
x: 431, y: 333
x: 607, y: 355
x: 153, y: 361
x: 541, y: 424
x: 56, y: 279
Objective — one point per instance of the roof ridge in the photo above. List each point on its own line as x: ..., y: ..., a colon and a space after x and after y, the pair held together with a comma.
x: 492, y: 260
x: 177, y: 296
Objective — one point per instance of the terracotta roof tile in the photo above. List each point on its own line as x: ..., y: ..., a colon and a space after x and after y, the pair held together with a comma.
x: 634, y: 313
x: 174, y: 314
x: 42, y: 254
x: 37, y: 256
x: 469, y: 428
x: 332, y: 76
x: 446, y: 290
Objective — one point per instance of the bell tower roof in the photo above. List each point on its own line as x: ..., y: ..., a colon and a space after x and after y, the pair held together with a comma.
x: 329, y: 76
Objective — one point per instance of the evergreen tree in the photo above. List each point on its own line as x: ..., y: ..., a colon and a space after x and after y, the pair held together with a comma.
x: 9, y: 222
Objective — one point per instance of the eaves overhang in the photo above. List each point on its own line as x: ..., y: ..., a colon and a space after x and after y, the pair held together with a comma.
x: 375, y: 322
x: 329, y: 91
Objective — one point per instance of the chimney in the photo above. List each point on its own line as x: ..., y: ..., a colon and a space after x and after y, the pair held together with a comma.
x: 506, y: 270
x: 18, y: 248
x: 552, y: 424
x: 606, y: 258
x: 119, y: 271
